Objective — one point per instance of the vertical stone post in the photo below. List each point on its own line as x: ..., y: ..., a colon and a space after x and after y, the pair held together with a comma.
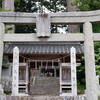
x: 8, y: 5
x: 15, y: 72
x: 91, y: 86
x: 2, y: 30
x: 73, y: 71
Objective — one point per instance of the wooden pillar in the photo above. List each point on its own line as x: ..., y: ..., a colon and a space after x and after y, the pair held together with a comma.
x: 40, y: 71
x: 54, y: 71
x: 27, y: 77
x: 91, y: 87
x: 2, y: 30
x: 73, y: 71
x: 15, y: 72
x: 60, y: 79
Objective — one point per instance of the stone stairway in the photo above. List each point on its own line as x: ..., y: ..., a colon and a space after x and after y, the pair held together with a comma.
x: 45, y: 86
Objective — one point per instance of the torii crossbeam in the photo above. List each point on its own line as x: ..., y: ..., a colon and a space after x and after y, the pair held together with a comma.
x: 88, y: 37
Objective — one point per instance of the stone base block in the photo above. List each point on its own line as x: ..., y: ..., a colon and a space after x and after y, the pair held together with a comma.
x: 1, y: 89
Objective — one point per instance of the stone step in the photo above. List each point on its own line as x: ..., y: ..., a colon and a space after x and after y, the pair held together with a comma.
x: 45, y: 86
x: 44, y: 90
x: 48, y: 81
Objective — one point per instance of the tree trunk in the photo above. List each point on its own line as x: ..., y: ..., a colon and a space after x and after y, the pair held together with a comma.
x: 70, y: 8
x: 8, y: 5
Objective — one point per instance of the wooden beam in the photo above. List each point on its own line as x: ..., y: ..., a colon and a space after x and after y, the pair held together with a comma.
x: 27, y: 77
x: 69, y: 64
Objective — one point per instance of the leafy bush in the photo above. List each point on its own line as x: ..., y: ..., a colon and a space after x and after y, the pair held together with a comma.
x: 81, y: 77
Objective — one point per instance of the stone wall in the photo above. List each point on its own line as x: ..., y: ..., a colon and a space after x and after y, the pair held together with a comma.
x: 42, y: 98
x: 6, y: 79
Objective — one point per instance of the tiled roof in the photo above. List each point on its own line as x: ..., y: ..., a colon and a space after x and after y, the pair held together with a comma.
x: 43, y: 48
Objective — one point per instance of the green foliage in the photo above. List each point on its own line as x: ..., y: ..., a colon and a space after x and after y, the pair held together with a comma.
x: 97, y: 52
x: 2, y: 10
x: 96, y: 28
x: 37, y: 5
x: 81, y: 87
x: 25, y: 29
x: 0, y: 3
x: 17, y: 1
x: 81, y: 75
x: 5, y: 62
x: 8, y: 29
x: 87, y: 5
x: 55, y: 6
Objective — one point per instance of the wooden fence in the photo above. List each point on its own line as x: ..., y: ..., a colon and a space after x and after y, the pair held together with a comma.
x: 42, y: 98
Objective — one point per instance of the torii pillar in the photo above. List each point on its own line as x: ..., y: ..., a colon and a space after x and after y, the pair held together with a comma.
x: 91, y: 86
x: 2, y: 29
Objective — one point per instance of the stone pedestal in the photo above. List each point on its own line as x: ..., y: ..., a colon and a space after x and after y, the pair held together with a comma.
x: 1, y: 89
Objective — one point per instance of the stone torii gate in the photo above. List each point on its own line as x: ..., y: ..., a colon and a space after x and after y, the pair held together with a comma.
x: 43, y: 22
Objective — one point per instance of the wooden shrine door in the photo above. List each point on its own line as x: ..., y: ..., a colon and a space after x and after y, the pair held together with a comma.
x: 65, y: 78
x: 23, y: 78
